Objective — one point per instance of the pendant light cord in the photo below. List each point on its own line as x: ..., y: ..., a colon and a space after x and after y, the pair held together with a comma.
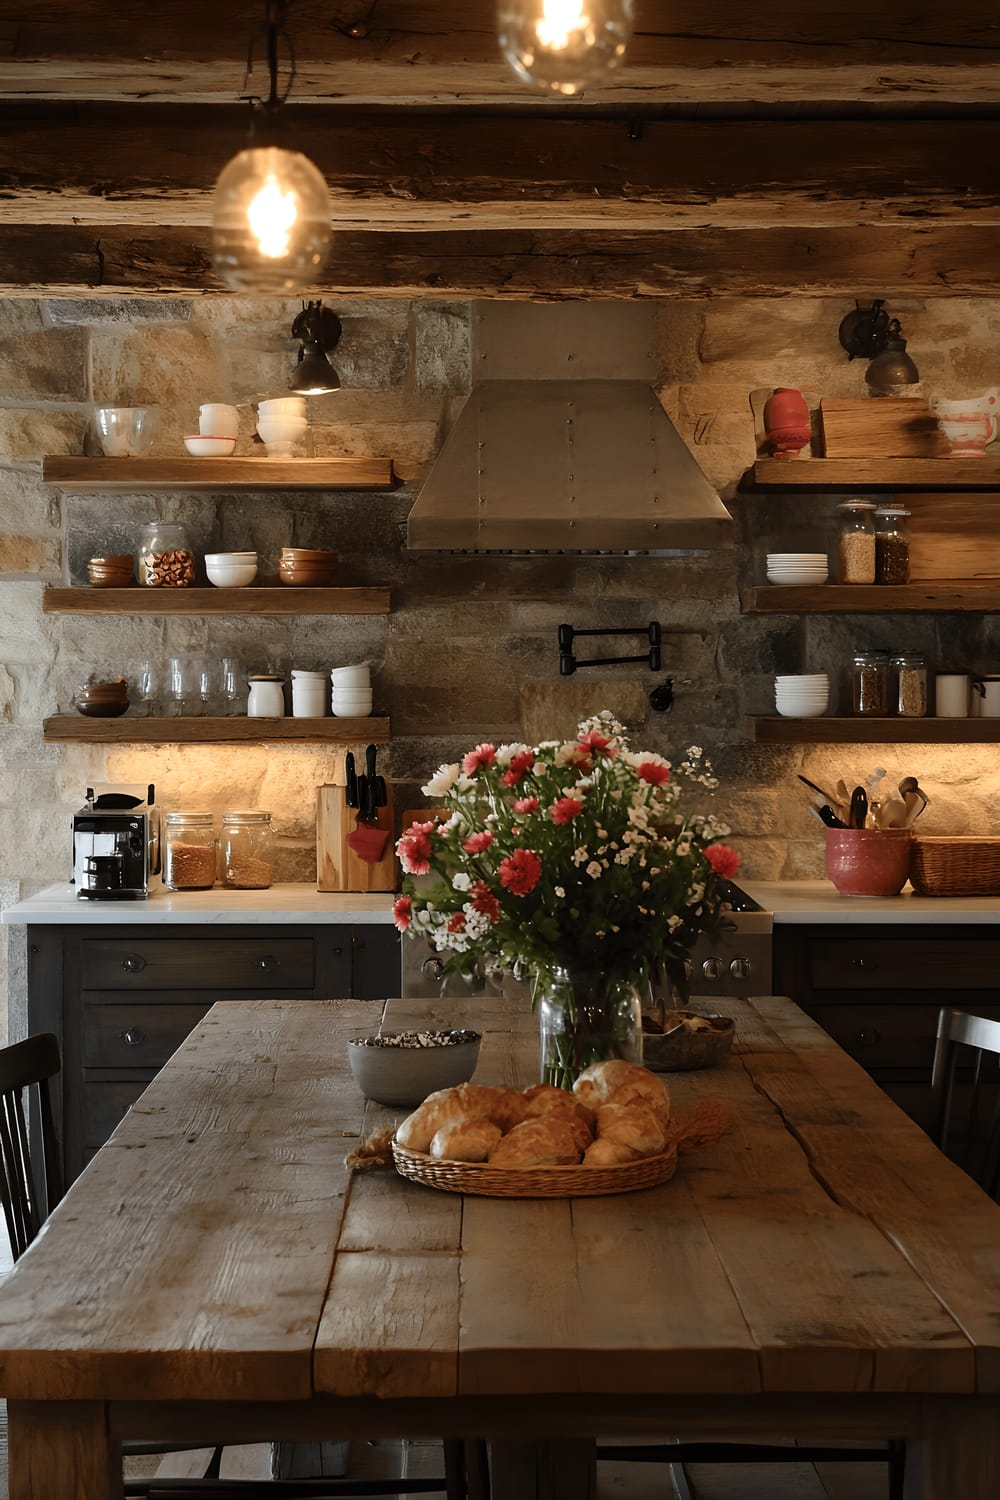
x: 271, y: 35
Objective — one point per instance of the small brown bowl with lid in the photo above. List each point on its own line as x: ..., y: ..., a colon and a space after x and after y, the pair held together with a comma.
x: 102, y: 700
x: 116, y: 572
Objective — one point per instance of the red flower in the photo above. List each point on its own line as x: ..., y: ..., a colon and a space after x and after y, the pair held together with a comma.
x: 483, y: 755
x: 526, y: 805
x: 402, y: 910
x: 457, y: 922
x: 483, y: 899
x: 478, y: 843
x: 519, y: 765
x: 565, y: 809
x: 520, y: 871
x: 724, y: 861
x: 576, y: 755
x: 654, y: 774
x: 414, y: 849
x: 594, y: 740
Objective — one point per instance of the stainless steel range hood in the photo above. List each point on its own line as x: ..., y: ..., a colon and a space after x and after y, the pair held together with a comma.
x: 574, y: 465
x: 563, y: 444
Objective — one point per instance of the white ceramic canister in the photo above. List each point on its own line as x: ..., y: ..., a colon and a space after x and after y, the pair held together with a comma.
x: 216, y: 419
x: 266, y: 700
x: 308, y: 695
x: 951, y: 695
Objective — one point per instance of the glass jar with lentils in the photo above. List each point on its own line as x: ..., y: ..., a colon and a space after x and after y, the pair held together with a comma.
x: 247, y: 860
x: 855, y: 542
x: 909, y: 671
x: 870, y: 683
x: 892, y: 544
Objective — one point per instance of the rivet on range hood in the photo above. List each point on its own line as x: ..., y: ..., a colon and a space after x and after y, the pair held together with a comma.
x: 566, y: 466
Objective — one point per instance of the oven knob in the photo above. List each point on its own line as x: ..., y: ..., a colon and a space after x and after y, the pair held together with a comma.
x: 740, y: 968
x: 713, y: 968
x: 432, y: 968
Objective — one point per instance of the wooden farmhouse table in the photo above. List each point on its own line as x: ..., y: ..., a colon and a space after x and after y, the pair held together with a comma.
x: 218, y: 1274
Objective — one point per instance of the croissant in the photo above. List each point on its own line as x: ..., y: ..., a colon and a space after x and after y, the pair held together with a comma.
x: 468, y: 1101
x: 543, y: 1100
x: 597, y: 1083
x: 631, y: 1125
x: 606, y: 1153
x: 466, y: 1140
x: 545, y: 1142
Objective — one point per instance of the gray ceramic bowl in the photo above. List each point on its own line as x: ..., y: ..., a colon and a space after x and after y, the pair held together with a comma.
x: 397, y: 1075
x: 682, y: 1050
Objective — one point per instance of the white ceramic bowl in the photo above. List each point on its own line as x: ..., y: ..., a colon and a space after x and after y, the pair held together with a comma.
x: 794, y: 579
x: 125, y: 431
x: 209, y: 447
x: 802, y: 679
x: 403, y: 1076
x: 230, y: 575
x: 351, y: 677
x: 282, y: 406
x: 271, y: 428
x: 353, y: 699
x: 231, y: 557
x: 350, y: 711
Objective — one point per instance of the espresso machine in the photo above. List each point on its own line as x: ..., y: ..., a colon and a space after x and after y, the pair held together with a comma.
x: 116, y: 843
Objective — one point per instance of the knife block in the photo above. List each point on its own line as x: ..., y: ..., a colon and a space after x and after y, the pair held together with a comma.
x: 338, y: 868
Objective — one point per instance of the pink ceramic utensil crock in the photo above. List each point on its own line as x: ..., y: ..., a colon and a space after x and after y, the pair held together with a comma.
x: 868, y: 861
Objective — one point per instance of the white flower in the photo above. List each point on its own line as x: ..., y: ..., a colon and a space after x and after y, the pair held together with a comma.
x: 442, y: 781
x: 560, y: 893
x: 461, y: 881
x: 506, y: 753
x: 594, y: 870
x: 580, y: 855
x: 674, y: 922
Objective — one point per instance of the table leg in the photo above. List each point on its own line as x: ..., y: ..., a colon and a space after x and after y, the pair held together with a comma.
x: 958, y: 1454
x: 61, y: 1450
x: 554, y: 1470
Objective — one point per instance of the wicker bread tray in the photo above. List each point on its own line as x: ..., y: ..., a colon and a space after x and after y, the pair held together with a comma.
x: 481, y: 1180
x: 943, y: 866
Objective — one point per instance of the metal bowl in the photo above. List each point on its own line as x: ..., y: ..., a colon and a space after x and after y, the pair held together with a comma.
x: 683, y: 1047
x: 397, y: 1075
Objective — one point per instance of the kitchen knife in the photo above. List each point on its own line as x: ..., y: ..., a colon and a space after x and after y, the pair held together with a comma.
x: 351, y: 776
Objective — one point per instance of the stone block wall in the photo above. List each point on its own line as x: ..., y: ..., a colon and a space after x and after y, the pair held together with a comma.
x: 469, y: 651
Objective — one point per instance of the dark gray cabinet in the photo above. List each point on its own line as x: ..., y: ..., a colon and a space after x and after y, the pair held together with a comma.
x: 878, y: 990
x: 122, y: 999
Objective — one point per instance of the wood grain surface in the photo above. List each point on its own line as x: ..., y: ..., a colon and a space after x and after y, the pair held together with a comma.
x: 108, y: 474
x: 889, y: 427
x: 283, y: 600
x: 79, y: 729
x: 937, y: 594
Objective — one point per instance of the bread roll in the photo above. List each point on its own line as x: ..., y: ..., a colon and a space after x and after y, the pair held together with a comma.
x: 547, y: 1142
x: 645, y: 1088
x: 597, y: 1083
x: 469, y: 1140
x: 605, y: 1153
x: 631, y: 1125
x: 543, y: 1100
x: 468, y: 1101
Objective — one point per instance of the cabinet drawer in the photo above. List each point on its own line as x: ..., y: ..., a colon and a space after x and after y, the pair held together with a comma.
x: 106, y: 1102
x: 266, y: 964
x: 887, y: 1036
x: 135, y: 1036
x: 903, y: 963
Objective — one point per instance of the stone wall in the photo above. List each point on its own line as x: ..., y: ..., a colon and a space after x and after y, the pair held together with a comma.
x: 469, y: 651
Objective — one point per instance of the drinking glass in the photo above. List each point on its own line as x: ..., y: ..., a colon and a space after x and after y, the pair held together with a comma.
x: 207, y: 680
x: 183, y: 697
x: 148, y: 686
x: 234, y: 687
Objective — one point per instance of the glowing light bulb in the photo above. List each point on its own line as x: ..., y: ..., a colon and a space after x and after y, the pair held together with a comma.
x: 270, y: 221
x: 562, y: 45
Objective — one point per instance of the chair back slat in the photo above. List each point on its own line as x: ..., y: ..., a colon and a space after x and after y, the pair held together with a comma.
x: 30, y: 1181
x: 981, y: 1156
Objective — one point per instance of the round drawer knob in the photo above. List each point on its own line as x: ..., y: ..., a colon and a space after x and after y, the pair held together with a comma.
x: 869, y: 1038
x: 267, y: 962
x: 864, y: 963
x: 133, y: 1037
x: 133, y: 963
x: 432, y: 968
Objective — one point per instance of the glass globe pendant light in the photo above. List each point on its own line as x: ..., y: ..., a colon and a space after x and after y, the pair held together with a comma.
x: 562, y: 45
x: 271, y: 208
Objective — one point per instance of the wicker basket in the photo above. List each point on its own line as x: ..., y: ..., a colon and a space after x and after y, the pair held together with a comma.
x: 942, y: 866
x: 482, y: 1180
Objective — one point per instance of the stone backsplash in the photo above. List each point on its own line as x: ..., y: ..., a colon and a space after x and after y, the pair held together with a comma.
x: 469, y: 651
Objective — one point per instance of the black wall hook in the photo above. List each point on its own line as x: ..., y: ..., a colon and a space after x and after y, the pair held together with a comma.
x: 662, y: 697
x: 568, y: 662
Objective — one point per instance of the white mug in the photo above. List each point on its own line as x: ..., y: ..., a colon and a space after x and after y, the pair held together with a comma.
x: 951, y: 695
x: 215, y: 419
x: 986, y: 697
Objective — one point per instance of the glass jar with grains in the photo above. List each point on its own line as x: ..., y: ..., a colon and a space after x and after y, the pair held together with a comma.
x: 909, y: 670
x: 164, y: 559
x: 892, y: 544
x: 189, y: 852
x: 870, y: 683
x: 855, y: 542
x: 246, y: 850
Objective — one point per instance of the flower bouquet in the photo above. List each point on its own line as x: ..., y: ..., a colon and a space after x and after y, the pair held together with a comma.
x: 574, y: 862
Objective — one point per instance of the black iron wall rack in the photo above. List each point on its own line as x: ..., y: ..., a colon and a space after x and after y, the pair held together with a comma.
x: 568, y: 662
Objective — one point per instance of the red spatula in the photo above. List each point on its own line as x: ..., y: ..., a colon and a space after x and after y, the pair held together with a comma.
x: 368, y: 840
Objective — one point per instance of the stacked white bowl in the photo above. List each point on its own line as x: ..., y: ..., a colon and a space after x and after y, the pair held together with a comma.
x: 231, y: 570
x: 796, y: 567
x: 282, y: 423
x: 308, y: 694
x: 352, y: 691
x: 802, y: 696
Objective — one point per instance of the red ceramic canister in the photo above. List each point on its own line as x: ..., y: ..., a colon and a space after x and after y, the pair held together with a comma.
x: 786, y: 422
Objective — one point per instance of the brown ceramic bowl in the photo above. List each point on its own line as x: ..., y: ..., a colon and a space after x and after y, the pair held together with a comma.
x: 315, y: 578
x: 102, y: 700
x: 308, y: 554
x: 111, y: 572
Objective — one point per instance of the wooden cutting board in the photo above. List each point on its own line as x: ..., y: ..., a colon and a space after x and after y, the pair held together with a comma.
x: 880, y: 427
x: 338, y: 868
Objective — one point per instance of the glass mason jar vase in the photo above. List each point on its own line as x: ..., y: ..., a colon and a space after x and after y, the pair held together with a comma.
x: 189, y: 853
x: 247, y: 861
x: 585, y: 1016
x: 163, y: 558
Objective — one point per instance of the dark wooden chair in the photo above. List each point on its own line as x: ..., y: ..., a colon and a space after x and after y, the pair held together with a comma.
x: 973, y: 1141
x: 32, y: 1185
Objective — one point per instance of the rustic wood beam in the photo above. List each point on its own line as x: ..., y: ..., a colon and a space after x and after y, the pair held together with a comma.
x: 156, y: 165
x: 518, y: 264
x: 423, y: 51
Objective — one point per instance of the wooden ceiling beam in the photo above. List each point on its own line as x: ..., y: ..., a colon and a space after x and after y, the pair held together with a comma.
x: 435, y: 51
x: 519, y: 264
x: 155, y: 166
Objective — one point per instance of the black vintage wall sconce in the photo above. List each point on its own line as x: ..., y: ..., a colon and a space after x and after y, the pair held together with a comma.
x: 869, y: 333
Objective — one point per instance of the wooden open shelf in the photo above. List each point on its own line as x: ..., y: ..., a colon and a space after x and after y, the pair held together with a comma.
x: 876, y: 473
x: 774, y: 730
x: 282, y: 600
x: 78, y: 729
x: 944, y: 594
x: 83, y: 474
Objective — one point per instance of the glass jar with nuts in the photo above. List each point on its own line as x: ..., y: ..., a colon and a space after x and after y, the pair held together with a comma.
x: 247, y: 861
x: 856, y: 542
x: 189, y: 851
x: 164, y: 559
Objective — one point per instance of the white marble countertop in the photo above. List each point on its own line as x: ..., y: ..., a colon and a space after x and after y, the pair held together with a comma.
x: 817, y: 902
x: 281, y: 904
